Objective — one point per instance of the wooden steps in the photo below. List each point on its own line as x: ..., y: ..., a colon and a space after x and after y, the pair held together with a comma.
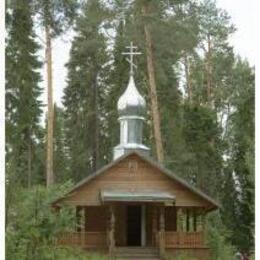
x: 137, y: 253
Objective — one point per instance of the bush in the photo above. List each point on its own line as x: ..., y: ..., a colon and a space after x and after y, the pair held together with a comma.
x: 216, y: 239
x: 33, y: 227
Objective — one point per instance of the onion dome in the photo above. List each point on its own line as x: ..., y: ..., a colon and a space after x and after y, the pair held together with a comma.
x: 131, y: 109
x: 131, y: 103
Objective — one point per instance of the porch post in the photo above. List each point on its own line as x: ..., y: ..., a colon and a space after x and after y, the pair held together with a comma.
x: 162, y: 232
x: 201, y: 215
x: 154, y: 226
x: 203, y: 220
x: 111, y: 237
x: 180, y: 225
x: 187, y: 220
x: 195, y: 220
x: 82, y: 226
x: 143, y: 224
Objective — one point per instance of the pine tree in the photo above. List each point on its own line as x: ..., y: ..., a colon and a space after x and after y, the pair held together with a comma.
x: 208, y: 79
x: 207, y: 70
x: 201, y: 132
x: 60, y: 153
x: 167, y: 49
x: 241, y: 155
x: 55, y: 17
x: 84, y: 94
x: 23, y: 108
x: 117, y: 82
x: 119, y: 73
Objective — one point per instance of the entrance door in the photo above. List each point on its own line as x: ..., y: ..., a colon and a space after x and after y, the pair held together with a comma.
x: 134, y: 225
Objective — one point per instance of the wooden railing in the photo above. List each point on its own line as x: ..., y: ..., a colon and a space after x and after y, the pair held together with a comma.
x: 83, y: 239
x: 100, y: 239
x: 184, y: 239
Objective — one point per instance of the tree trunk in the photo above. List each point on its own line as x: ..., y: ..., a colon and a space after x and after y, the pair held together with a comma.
x: 30, y: 163
x: 95, y: 126
x: 152, y: 91
x: 208, y: 69
x: 49, y: 162
x: 187, y: 76
x: 162, y: 231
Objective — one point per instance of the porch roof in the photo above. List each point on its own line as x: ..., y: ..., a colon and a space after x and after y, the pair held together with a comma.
x: 136, y: 196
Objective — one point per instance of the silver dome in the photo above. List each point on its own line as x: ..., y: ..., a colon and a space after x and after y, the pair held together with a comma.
x: 131, y: 103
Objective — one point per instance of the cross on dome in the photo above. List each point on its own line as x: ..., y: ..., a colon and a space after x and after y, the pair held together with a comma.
x: 131, y: 54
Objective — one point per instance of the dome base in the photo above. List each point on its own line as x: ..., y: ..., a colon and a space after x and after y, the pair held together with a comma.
x: 123, y: 149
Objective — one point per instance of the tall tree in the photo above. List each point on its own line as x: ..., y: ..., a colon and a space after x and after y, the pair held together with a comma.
x: 204, y: 148
x: 119, y: 74
x: 85, y: 92
x: 212, y: 53
x: 23, y: 108
x: 207, y: 69
x: 241, y: 157
x: 152, y: 84
x: 55, y: 17
x: 60, y: 153
x: 157, y: 19
x: 118, y: 77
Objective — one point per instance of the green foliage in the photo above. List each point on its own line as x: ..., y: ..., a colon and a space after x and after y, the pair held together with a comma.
x: 60, y: 154
x: 209, y: 82
x: 85, y: 116
x: 23, y: 107
x: 33, y: 225
x: 240, y: 163
x: 57, y: 15
x: 217, y: 239
x: 201, y: 133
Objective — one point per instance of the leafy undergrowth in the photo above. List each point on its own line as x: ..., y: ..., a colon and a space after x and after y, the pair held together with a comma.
x: 77, y: 254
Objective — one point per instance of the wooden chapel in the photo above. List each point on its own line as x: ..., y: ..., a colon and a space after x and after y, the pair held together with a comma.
x: 134, y: 207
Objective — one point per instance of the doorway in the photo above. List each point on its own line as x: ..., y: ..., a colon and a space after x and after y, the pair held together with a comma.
x: 134, y: 225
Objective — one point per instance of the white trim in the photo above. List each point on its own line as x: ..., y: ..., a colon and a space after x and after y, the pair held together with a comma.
x: 130, y: 117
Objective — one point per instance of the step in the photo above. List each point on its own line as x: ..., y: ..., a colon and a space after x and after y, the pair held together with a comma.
x: 137, y: 258
x: 136, y: 249
x: 136, y: 253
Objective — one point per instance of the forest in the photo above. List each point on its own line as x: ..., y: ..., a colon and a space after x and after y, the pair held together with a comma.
x: 200, y: 111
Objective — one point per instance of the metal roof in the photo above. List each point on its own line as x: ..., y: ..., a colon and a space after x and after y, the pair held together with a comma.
x: 136, y: 196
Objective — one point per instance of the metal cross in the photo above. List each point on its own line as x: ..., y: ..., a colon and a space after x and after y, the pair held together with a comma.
x: 131, y: 53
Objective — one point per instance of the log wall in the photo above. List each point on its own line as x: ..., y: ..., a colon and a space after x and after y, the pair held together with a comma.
x: 123, y: 176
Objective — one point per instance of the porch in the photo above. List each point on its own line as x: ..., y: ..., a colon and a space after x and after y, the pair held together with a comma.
x: 111, y: 227
x: 100, y: 239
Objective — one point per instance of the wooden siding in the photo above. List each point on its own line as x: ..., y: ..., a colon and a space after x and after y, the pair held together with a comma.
x: 170, y: 219
x: 121, y: 225
x: 143, y: 176
x: 96, y: 219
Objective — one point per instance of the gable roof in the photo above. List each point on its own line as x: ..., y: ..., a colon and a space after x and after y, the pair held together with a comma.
x: 150, y: 161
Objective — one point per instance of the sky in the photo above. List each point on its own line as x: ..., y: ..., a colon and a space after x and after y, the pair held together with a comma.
x: 242, y: 14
